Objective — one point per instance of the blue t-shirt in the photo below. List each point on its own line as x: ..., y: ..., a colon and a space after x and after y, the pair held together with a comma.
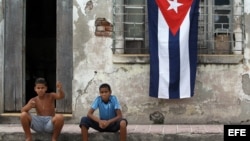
x: 106, y: 110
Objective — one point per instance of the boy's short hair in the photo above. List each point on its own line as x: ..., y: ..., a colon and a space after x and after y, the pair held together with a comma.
x: 41, y: 80
x: 105, y: 85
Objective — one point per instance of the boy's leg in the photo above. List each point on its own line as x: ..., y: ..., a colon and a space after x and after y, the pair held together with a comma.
x: 85, y: 124
x: 123, y: 130
x: 58, y: 122
x: 25, y: 121
x: 85, y: 121
x: 84, y: 131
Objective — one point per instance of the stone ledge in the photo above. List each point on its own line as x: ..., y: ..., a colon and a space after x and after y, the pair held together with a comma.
x: 96, y: 136
x: 71, y: 132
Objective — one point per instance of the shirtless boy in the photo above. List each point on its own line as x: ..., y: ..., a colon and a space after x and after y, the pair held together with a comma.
x: 45, y: 120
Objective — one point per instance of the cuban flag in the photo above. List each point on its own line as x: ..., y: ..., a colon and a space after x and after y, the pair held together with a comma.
x: 173, y: 29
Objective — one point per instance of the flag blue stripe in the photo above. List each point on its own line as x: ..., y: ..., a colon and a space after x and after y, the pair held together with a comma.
x: 174, y: 59
x: 194, y: 15
x: 154, y: 60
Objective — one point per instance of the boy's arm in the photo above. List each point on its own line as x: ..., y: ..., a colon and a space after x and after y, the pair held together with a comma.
x: 31, y: 104
x: 60, y: 92
x: 118, y: 116
x: 92, y: 116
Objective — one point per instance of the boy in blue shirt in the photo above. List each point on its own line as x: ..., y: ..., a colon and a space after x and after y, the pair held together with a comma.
x: 110, y: 116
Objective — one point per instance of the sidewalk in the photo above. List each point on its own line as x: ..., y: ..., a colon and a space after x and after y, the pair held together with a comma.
x: 72, y: 132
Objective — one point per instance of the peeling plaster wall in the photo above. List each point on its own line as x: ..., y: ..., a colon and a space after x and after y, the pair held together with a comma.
x: 247, y: 31
x: 222, y: 93
x: 1, y: 54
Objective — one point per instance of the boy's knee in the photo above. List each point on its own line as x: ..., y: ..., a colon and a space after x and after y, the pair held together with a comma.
x: 84, y: 120
x: 123, y: 124
x: 24, y: 115
x: 58, y: 117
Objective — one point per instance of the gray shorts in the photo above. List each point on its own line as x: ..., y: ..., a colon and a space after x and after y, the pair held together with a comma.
x: 42, y: 124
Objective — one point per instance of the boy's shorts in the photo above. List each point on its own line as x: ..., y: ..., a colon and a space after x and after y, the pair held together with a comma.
x: 114, y: 127
x: 42, y: 124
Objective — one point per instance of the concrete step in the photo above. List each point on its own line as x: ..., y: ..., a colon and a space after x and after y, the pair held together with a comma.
x: 71, y: 132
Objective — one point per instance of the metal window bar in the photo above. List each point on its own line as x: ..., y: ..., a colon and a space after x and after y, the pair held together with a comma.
x: 223, y: 36
x: 130, y: 22
x: 221, y: 27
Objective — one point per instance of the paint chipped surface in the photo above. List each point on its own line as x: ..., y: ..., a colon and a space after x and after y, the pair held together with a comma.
x: 221, y: 92
x: 247, y: 6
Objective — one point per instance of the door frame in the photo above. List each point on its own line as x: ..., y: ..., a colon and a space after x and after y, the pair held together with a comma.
x: 12, y: 74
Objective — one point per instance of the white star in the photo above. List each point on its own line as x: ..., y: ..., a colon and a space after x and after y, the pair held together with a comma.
x: 174, y: 5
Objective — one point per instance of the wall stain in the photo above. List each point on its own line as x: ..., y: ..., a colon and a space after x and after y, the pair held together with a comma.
x: 157, y: 117
x: 245, y: 84
x: 89, y: 6
x: 84, y: 91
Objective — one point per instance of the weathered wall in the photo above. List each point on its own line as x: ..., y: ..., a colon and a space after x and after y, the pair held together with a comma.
x: 1, y: 53
x: 221, y: 95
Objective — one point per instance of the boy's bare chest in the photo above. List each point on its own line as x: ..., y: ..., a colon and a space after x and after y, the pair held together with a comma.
x: 44, y: 104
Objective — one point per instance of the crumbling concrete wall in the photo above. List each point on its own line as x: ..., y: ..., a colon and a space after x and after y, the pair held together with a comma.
x: 1, y: 54
x: 221, y: 91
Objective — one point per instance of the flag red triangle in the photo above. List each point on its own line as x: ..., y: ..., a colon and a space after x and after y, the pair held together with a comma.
x: 174, y: 18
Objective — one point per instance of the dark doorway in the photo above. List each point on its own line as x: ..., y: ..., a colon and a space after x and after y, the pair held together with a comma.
x: 40, y: 51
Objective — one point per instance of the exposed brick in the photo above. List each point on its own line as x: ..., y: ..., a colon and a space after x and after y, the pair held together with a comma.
x: 106, y: 34
x: 105, y: 23
x: 98, y: 21
x: 108, y: 28
x: 103, y: 27
x: 100, y: 28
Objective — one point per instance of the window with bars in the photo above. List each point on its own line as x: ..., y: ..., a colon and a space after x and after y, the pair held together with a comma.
x: 221, y: 27
x: 130, y: 33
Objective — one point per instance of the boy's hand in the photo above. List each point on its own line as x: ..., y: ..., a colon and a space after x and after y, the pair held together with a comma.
x: 32, y: 104
x: 103, y: 124
x: 59, y: 94
x: 59, y: 85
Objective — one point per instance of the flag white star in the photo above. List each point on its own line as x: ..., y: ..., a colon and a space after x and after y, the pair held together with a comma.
x: 174, y: 5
